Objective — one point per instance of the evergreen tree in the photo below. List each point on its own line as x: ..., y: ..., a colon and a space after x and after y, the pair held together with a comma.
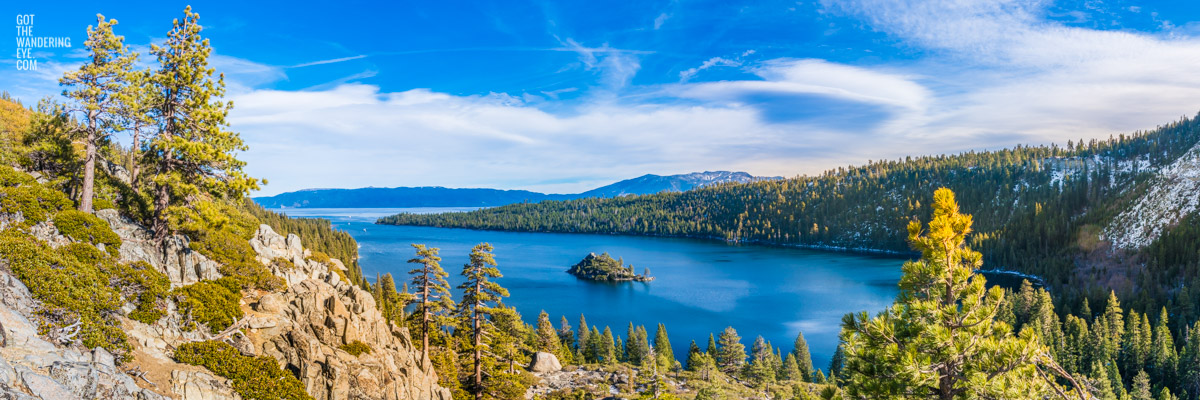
x: 662, y: 347
x: 547, y: 338
x: 693, y: 350
x: 1141, y: 387
x: 803, y: 358
x: 1164, y: 361
x: 96, y: 89
x: 193, y: 152
x: 478, y: 292
x: 791, y: 370
x: 433, y: 292
x: 731, y: 353
x: 1101, y: 386
x: 1189, y: 363
x: 584, y: 347
x: 608, y: 350
x: 838, y: 361
x: 940, y: 338
x: 622, y: 350
x: 566, y: 336
x: 711, y: 349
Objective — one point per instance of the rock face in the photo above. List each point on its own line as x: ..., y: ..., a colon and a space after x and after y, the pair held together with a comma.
x: 544, y: 362
x: 195, y: 385
x: 304, y: 327
x: 33, y: 368
x: 174, y: 257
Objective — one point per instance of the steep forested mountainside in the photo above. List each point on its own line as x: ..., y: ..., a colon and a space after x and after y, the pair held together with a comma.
x: 448, y: 197
x: 1037, y: 209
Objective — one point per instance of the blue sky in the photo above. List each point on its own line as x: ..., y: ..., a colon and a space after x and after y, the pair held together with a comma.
x: 561, y: 96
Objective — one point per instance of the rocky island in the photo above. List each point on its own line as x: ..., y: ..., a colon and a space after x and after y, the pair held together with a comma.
x: 605, y: 269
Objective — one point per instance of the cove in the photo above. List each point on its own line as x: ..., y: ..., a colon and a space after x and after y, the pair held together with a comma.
x: 701, y: 286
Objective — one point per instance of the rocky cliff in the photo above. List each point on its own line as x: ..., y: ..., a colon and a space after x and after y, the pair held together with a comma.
x: 305, y: 328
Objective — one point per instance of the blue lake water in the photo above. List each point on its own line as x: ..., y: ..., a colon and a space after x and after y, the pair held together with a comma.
x: 700, y: 287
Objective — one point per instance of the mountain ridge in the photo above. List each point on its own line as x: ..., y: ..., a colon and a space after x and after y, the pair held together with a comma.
x: 439, y: 196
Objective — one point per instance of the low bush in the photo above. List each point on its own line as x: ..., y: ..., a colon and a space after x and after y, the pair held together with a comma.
x: 237, y: 260
x: 21, y: 194
x: 254, y: 378
x: 75, y: 283
x: 216, y: 304
x: 151, y: 288
x: 356, y: 348
x: 283, y: 263
x: 88, y: 228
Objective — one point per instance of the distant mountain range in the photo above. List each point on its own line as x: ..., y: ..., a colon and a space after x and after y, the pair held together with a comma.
x: 372, y: 197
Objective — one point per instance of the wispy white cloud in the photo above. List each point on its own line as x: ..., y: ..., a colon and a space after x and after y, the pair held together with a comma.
x: 660, y: 20
x: 1004, y: 71
x: 330, y: 61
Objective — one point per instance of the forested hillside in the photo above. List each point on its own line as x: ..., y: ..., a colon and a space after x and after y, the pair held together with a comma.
x: 1038, y: 210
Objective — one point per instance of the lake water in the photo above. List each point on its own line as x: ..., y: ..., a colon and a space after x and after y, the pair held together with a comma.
x: 700, y: 287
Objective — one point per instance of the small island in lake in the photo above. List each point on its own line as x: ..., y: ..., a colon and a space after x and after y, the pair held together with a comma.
x: 605, y: 269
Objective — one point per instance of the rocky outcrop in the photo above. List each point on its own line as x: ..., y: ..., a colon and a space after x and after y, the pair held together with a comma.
x: 305, y: 326
x: 197, y: 385
x: 544, y: 362
x: 33, y: 368
x: 174, y: 257
x: 1173, y: 193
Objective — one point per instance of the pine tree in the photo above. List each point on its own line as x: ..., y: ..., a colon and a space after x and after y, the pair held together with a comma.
x: 633, y: 349
x: 838, y: 362
x: 711, y: 349
x: 1189, y: 362
x: 608, y: 350
x: 803, y: 358
x: 547, y: 338
x: 693, y: 350
x: 98, y: 86
x: 584, y: 349
x: 731, y: 353
x: 478, y: 292
x: 622, y: 350
x: 433, y: 292
x: 662, y: 347
x: 1141, y: 387
x: 193, y: 153
x: 940, y: 339
x: 566, y: 336
x: 1164, y: 361
x: 1101, y: 386
x: 791, y: 370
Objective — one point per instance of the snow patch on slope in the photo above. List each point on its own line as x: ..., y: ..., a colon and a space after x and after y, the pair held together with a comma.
x: 1174, y: 193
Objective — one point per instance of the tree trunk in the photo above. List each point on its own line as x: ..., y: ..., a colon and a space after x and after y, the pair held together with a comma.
x: 162, y: 198
x: 134, y: 152
x: 89, y: 166
x: 478, y: 350
x: 424, y: 314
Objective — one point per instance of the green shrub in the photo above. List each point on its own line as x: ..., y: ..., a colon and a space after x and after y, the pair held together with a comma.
x: 21, y: 194
x: 75, y: 283
x: 237, y: 260
x: 320, y: 257
x: 9, y: 176
x: 151, y: 287
x: 283, y: 263
x: 255, y: 378
x: 88, y: 228
x: 356, y: 348
x: 215, y: 304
